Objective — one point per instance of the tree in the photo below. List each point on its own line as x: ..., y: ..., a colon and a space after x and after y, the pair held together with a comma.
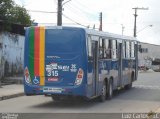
x: 13, y: 13
x: 5, y: 6
x: 19, y: 15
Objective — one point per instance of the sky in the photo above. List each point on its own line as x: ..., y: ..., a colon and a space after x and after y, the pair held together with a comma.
x: 115, y: 14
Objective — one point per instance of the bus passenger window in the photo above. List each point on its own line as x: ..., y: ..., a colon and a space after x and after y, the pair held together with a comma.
x: 89, y: 47
x: 114, y: 49
x: 100, y: 48
x: 103, y: 48
x: 127, y: 49
x: 132, y: 49
x: 108, y: 48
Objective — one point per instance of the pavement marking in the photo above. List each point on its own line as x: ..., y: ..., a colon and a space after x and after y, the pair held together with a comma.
x: 147, y: 87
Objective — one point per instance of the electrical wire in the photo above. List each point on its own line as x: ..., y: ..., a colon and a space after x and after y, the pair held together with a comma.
x: 83, y: 8
x: 40, y: 11
x: 75, y: 13
x: 74, y: 21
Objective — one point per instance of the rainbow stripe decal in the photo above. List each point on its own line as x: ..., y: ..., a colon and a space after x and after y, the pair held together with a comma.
x: 37, y: 53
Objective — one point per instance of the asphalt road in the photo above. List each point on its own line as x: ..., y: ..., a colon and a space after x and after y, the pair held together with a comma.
x: 143, y: 97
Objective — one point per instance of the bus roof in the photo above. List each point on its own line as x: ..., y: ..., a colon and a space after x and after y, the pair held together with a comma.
x: 109, y: 35
x: 94, y: 32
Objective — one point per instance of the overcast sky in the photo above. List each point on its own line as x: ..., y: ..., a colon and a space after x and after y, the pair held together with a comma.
x: 115, y: 13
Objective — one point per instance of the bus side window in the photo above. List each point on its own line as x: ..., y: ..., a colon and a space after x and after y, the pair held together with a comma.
x: 108, y: 44
x: 132, y: 50
x: 127, y: 49
x: 102, y: 48
x: 89, y: 47
x: 114, y: 49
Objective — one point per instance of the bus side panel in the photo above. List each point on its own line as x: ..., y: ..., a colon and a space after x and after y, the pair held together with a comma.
x: 125, y: 75
x: 101, y: 76
x: 114, y: 73
x: 90, y: 88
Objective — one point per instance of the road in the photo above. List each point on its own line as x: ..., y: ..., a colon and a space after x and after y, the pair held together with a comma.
x: 143, y: 97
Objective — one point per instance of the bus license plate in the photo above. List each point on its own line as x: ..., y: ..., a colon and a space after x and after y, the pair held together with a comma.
x: 54, y: 90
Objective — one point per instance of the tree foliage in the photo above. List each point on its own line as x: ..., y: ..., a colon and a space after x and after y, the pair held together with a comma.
x: 13, y: 13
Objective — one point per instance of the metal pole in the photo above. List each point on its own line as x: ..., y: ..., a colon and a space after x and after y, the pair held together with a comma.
x: 135, y: 23
x: 135, y: 19
x: 59, y: 13
x: 100, y: 19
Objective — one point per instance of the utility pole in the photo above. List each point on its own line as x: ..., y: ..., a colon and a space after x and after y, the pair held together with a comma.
x: 135, y: 19
x: 100, y: 19
x: 59, y: 13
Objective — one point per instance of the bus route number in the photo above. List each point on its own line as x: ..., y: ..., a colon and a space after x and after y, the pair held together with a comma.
x: 52, y: 73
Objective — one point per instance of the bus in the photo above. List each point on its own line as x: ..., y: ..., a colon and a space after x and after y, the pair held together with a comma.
x: 78, y: 62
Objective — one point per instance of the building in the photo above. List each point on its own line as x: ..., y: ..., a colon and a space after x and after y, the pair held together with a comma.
x: 147, y: 54
x: 11, y: 50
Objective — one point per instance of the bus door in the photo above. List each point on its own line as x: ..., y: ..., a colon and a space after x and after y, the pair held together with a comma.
x: 120, y: 64
x: 95, y: 66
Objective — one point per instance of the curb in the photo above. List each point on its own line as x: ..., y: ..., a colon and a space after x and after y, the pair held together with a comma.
x: 11, y: 96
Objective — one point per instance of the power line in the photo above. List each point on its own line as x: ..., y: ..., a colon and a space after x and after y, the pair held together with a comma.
x: 74, y: 21
x: 40, y: 11
x: 83, y: 10
x: 76, y: 12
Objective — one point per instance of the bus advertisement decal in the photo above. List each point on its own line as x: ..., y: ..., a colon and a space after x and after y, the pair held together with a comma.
x: 27, y: 75
x: 52, y: 70
x: 37, y: 54
x: 53, y: 79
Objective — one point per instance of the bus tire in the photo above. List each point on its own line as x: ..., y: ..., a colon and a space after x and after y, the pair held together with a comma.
x: 56, y: 98
x: 110, y: 90
x: 128, y: 86
x: 102, y: 97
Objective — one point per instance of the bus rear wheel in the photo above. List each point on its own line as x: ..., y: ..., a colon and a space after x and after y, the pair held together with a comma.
x: 56, y: 98
x: 103, y: 93
x: 110, y: 90
x: 128, y: 86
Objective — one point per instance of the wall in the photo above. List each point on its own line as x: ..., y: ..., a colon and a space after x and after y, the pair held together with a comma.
x: 11, y: 54
x: 145, y: 58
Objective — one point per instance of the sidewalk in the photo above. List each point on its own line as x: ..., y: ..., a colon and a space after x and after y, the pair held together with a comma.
x: 158, y: 110
x: 11, y: 91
